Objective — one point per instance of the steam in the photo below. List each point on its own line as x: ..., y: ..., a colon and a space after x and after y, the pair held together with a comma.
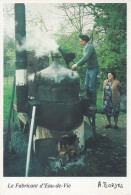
x: 40, y: 42
x: 31, y: 77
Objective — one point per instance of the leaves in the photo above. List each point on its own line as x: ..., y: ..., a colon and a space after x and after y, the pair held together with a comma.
x: 112, y: 48
x: 9, y: 56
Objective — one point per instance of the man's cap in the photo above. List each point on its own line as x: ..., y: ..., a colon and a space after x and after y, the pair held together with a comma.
x: 84, y: 37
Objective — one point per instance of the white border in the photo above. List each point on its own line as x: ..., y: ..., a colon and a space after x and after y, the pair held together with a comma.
x: 79, y: 185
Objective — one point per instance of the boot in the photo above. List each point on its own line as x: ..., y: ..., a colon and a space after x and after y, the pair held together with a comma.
x: 92, y: 101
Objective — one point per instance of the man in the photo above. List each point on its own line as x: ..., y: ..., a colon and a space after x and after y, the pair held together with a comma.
x: 90, y: 59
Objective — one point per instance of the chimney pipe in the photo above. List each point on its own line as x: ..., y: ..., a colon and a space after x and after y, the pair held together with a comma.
x: 21, y: 57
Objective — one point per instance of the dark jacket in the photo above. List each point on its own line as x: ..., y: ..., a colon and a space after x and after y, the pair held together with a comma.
x: 89, y: 58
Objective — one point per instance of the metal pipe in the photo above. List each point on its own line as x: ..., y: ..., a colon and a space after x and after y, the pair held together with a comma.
x: 30, y: 141
x: 21, y: 57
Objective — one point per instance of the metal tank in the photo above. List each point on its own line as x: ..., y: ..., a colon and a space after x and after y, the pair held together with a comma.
x: 58, y: 95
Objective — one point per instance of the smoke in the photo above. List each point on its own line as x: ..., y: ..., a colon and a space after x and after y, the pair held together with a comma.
x: 40, y: 42
x: 31, y: 77
x: 73, y: 163
x: 21, y: 46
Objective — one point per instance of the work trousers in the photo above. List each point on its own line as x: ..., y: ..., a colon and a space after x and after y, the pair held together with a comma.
x: 90, y: 83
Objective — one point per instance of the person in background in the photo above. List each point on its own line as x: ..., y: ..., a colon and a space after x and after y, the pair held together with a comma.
x: 90, y: 59
x: 112, y: 90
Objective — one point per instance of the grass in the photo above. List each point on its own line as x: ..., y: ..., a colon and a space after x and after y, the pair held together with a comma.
x: 8, y: 86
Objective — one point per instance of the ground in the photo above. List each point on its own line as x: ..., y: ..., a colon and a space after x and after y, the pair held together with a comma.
x: 103, y: 156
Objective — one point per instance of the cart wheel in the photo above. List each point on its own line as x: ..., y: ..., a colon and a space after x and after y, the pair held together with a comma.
x: 19, y: 140
x: 7, y: 143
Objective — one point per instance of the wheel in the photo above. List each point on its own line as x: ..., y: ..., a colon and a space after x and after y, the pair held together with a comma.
x: 19, y: 140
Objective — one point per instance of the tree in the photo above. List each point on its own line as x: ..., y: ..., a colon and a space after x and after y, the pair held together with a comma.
x: 111, y: 19
x: 77, y: 18
x: 108, y: 34
x: 9, y: 56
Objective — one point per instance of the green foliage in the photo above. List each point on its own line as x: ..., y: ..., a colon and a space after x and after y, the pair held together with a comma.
x: 109, y: 38
x: 111, y: 19
x: 99, y: 100
x: 8, y: 86
x: 9, y: 56
x: 70, y: 43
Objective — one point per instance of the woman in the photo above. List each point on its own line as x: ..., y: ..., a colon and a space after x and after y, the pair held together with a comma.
x: 111, y: 98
